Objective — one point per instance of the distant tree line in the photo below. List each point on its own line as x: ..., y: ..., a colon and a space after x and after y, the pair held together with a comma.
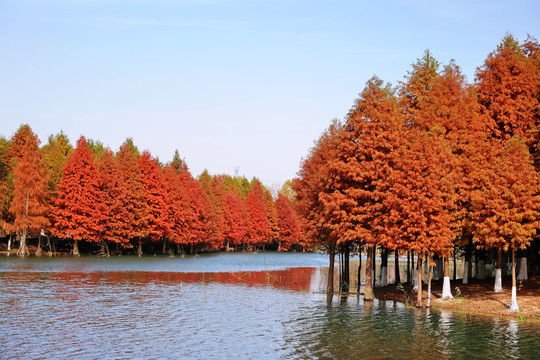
x: 89, y: 196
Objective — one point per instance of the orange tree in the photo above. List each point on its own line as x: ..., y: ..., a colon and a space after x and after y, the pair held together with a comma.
x: 137, y: 214
x: 115, y: 195
x: 508, y: 91
x: 29, y: 205
x: 259, y: 225
x: 507, y: 207
x: 289, y: 233
x: 157, y: 201
x: 312, y: 182
x: 362, y: 170
x: 79, y: 211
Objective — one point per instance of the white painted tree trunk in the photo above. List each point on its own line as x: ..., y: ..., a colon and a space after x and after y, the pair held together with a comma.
x: 514, y: 305
x: 522, y: 269
x: 9, y: 244
x: 481, y: 269
x: 384, y: 276
x: 446, y: 290
x: 415, y: 281
x: 466, y: 272
x: 498, y: 281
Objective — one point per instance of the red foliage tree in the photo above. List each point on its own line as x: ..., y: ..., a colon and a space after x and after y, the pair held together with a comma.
x: 507, y: 206
x: 259, y: 226
x: 235, y: 220
x: 181, y: 213
x: 115, y: 196
x: 135, y: 201
x: 362, y: 171
x: 29, y: 205
x: 312, y: 182
x: 289, y: 232
x: 157, y: 201
x: 508, y: 90
x: 79, y: 211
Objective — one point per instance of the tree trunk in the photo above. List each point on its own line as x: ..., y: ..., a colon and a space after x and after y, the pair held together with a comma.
x: 384, y: 267
x: 49, y: 246
x: 38, y: 250
x: 227, y: 246
x: 9, y: 244
x: 430, y: 275
x: 340, y: 269
x: 164, y: 250
x: 498, y: 272
x: 446, y: 290
x: 408, y: 267
x: 23, y: 249
x: 415, y: 274
x: 514, y: 305
x: 455, y: 266
x: 105, y: 248
x: 346, y: 269
x: 76, y: 248
x: 482, y: 265
x: 419, y: 271
x: 374, y: 266
x: 397, y: 276
x: 139, y: 248
x: 368, y: 289
x: 467, y: 264
x: 330, y: 284
x: 359, y: 266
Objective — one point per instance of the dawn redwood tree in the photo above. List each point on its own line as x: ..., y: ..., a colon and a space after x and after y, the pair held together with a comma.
x: 200, y: 227
x: 215, y: 192
x: 507, y: 207
x: 29, y: 205
x: 509, y: 92
x: 362, y: 171
x: 451, y: 108
x: 79, y: 211
x: 313, y: 181
x: 289, y: 233
x: 271, y: 214
x: 259, y: 225
x: 421, y: 198
x: 235, y: 220
x: 181, y: 214
x: 135, y: 201
x: 115, y: 196
x: 157, y: 201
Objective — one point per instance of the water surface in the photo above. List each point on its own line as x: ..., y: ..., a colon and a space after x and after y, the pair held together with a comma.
x: 243, y: 306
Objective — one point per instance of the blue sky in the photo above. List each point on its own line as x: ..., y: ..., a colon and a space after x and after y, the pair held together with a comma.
x: 231, y: 84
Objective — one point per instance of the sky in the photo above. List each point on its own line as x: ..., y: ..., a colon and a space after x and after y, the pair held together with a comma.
x: 237, y: 86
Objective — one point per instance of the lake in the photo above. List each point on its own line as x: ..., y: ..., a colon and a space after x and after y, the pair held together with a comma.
x: 226, y: 305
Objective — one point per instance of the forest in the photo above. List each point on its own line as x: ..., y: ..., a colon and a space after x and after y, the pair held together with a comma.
x: 87, y: 196
x: 432, y: 166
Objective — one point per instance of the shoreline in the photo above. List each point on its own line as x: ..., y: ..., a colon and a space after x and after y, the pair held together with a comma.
x: 475, y: 298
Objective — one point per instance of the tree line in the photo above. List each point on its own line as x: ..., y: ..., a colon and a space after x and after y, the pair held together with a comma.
x: 433, y: 164
x: 62, y: 196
